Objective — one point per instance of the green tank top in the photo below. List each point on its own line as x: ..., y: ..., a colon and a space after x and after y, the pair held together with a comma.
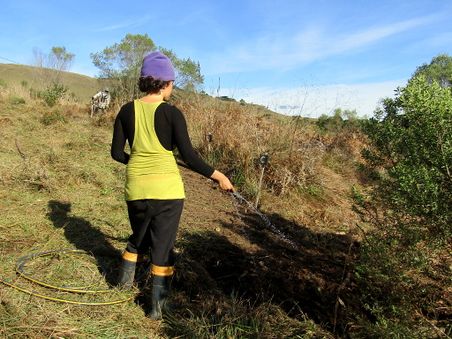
x: 152, y: 171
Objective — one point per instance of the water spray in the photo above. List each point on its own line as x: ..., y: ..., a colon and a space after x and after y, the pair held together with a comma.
x: 266, y: 220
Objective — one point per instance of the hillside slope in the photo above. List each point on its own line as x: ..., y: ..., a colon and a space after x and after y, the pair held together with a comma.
x: 13, y: 75
x: 235, y: 276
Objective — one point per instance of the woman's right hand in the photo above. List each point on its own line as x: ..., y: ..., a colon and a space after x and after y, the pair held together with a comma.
x: 223, y: 181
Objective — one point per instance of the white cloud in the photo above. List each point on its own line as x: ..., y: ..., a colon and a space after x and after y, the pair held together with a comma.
x: 133, y: 22
x: 314, y: 101
x: 377, y: 33
x: 310, y: 44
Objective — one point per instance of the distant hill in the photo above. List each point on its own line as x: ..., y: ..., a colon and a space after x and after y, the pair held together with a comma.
x: 35, y: 77
x: 83, y: 87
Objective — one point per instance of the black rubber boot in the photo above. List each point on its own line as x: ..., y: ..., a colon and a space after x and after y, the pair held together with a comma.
x: 126, y: 274
x: 134, y: 267
x: 142, y: 273
x: 160, y: 291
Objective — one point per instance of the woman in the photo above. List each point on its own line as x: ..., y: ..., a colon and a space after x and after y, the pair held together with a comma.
x: 154, y: 191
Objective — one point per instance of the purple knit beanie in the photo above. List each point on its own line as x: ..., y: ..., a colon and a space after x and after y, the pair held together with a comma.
x: 158, y: 66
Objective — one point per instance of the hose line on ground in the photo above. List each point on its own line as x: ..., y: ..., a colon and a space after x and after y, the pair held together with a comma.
x: 20, y: 270
x: 22, y: 261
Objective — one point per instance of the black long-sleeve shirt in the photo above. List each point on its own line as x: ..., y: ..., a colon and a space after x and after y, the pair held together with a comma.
x: 171, y: 130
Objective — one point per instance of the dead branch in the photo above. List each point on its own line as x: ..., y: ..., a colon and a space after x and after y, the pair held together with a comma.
x: 22, y: 154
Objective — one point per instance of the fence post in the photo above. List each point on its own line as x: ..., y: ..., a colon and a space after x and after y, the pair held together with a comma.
x: 209, y: 138
x: 263, y: 161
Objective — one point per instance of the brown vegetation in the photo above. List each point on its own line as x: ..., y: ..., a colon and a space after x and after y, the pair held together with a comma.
x: 234, y: 277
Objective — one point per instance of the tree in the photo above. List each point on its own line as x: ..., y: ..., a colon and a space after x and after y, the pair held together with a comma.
x: 52, y: 64
x: 439, y: 69
x: 121, y: 63
x: 411, y: 141
x: 60, y: 59
x: 409, y: 158
x: 51, y: 67
x: 189, y: 75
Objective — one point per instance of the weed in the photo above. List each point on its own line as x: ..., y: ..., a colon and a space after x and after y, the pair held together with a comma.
x: 53, y: 93
x: 313, y: 190
x: 16, y: 100
x: 358, y: 196
x: 53, y: 117
x: 236, y: 317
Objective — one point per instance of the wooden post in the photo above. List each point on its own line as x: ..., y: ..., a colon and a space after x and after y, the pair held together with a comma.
x: 209, y: 138
x: 263, y: 160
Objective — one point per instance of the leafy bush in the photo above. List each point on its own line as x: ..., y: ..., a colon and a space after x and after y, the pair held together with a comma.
x: 342, y: 119
x: 409, y: 157
x: 52, y: 117
x: 16, y: 100
x: 411, y: 141
x: 53, y: 93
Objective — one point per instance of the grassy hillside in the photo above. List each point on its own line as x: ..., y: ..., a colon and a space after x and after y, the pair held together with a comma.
x: 60, y: 189
x: 289, y: 273
x: 17, y: 76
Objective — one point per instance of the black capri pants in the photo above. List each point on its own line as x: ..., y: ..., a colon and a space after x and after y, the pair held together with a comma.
x: 154, y: 227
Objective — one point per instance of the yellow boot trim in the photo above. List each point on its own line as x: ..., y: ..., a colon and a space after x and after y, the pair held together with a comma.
x: 162, y: 271
x: 133, y: 257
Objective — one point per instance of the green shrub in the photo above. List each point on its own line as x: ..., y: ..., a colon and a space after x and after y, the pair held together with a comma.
x: 53, y: 93
x: 340, y: 121
x: 411, y: 140
x: 409, y: 157
x: 16, y: 100
x: 52, y: 117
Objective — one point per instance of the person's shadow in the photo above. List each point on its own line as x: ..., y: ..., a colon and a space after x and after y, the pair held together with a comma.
x: 311, y: 278
x: 86, y: 237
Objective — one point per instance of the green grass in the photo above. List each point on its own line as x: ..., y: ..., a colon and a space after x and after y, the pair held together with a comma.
x: 60, y: 189
x: 66, y: 163
x: 29, y: 77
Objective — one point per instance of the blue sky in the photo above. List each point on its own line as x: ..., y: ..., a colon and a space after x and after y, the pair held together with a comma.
x: 297, y: 57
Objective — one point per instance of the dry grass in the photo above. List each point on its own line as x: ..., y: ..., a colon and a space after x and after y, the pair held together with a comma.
x: 34, y: 79
x: 60, y: 189
x: 42, y: 168
x: 242, y: 133
x: 310, y: 174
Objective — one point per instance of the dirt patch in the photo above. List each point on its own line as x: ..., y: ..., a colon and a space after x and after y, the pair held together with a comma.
x: 227, y: 248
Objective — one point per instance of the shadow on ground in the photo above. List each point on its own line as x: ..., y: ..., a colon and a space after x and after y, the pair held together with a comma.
x: 84, y: 236
x: 243, y: 258
x: 314, y: 279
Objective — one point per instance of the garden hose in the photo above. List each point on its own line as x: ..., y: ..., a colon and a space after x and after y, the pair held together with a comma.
x: 20, y: 270
x: 22, y: 261
x: 266, y: 221
x: 20, y: 266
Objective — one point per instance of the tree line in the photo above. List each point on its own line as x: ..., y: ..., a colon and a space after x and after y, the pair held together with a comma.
x: 120, y: 64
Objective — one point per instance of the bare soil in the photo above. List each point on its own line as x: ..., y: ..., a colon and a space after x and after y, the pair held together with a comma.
x: 225, y: 247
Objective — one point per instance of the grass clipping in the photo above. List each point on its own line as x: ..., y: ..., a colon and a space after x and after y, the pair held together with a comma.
x: 68, y: 276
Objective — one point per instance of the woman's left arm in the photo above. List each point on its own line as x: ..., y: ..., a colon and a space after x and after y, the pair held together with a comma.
x: 118, y: 142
